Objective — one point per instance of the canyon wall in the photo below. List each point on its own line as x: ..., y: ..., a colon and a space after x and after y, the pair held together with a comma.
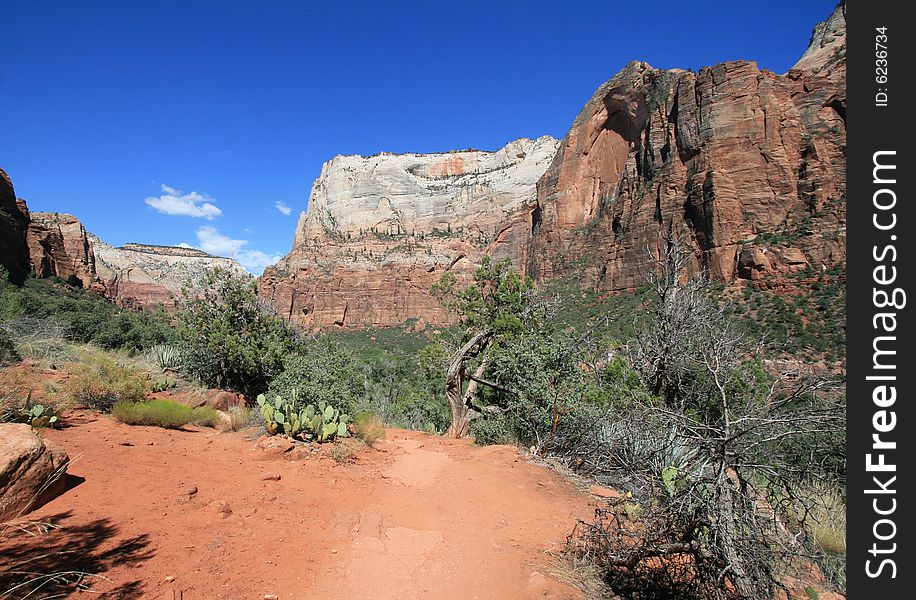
x: 137, y: 276
x: 14, y: 221
x: 144, y: 276
x: 380, y: 230
x: 747, y: 165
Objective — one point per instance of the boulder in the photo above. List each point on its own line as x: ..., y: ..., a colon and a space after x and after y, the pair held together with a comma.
x: 32, y: 470
x: 224, y: 400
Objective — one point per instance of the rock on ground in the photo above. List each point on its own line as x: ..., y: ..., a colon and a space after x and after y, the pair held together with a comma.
x: 31, y: 470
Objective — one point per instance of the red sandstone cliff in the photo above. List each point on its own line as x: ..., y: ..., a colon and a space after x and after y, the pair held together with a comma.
x: 14, y: 220
x: 138, y: 276
x: 749, y: 164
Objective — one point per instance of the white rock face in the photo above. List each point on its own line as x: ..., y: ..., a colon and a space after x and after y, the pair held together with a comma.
x: 145, y: 276
x: 381, y: 230
x: 396, y: 194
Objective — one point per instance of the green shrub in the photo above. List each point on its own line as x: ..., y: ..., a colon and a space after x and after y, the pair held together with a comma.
x: 206, y: 416
x: 230, y: 340
x: 100, y: 382
x: 159, y: 413
x: 368, y: 428
x: 323, y: 372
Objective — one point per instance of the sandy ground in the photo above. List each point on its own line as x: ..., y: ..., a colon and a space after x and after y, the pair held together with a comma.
x: 199, y: 514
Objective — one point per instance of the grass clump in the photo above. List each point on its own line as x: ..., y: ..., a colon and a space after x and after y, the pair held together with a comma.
x: 158, y: 413
x: 99, y: 383
x: 241, y: 417
x: 206, y: 416
x: 368, y: 428
x: 344, y: 450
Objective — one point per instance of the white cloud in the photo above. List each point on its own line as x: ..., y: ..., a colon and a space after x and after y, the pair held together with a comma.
x: 176, y: 202
x: 283, y: 207
x: 214, y: 242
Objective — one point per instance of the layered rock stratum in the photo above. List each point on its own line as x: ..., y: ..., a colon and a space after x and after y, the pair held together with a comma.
x: 380, y: 230
x: 145, y: 276
x: 137, y: 276
x: 14, y: 221
x: 746, y: 165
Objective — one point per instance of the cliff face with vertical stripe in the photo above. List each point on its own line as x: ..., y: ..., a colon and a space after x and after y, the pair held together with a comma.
x: 747, y: 164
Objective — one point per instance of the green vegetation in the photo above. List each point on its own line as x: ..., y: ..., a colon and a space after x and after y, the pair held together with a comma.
x: 807, y: 325
x: 99, y: 383
x: 206, y: 416
x: 79, y: 315
x: 309, y: 422
x: 228, y: 339
x: 159, y: 413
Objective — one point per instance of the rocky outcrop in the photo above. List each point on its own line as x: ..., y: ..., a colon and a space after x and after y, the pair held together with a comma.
x: 145, y: 276
x: 59, y: 247
x: 380, y: 230
x: 14, y: 220
x: 138, y: 276
x: 747, y: 164
x: 31, y: 470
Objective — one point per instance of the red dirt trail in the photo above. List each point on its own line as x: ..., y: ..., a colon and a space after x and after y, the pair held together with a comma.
x: 417, y: 516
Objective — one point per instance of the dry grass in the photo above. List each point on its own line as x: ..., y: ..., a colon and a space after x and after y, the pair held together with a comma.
x: 819, y: 509
x: 240, y: 417
x: 100, y: 382
x: 580, y: 574
x: 368, y: 428
x: 344, y: 450
x: 159, y: 413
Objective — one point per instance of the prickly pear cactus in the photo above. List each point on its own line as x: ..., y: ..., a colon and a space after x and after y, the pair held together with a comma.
x: 320, y: 424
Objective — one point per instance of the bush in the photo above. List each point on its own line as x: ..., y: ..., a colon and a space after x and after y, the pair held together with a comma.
x: 159, y: 413
x: 324, y: 372
x: 206, y: 416
x: 100, y: 382
x: 368, y: 428
x: 8, y: 352
x: 84, y: 316
x: 229, y: 339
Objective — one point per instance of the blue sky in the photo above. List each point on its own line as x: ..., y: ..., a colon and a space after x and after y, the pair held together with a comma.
x: 206, y: 122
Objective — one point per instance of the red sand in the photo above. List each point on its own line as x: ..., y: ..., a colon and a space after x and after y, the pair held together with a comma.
x: 417, y: 517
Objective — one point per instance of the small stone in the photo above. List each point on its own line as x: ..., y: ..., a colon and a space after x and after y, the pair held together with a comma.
x: 169, y: 579
x: 603, y: 492
x: 271, y: 477
x: 191, y: 490
x: 271, y: 597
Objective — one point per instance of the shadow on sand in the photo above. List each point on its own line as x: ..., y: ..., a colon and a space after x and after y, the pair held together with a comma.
x: 38, y: 561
